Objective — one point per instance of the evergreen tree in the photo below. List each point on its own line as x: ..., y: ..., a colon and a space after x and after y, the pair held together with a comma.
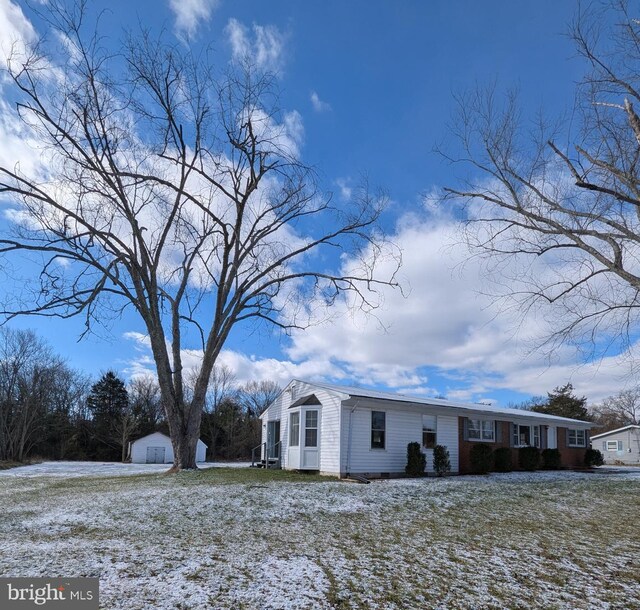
x: 563, y: 403
x: 108, y: 402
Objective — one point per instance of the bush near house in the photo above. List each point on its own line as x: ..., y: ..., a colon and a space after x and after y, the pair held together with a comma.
x: 416, y: 460
x: 551, y: 459
x: 502, y: 460
x: 441, y: 461
x: 481, y: 458
x: 529, y: 458
x: 593, y: 457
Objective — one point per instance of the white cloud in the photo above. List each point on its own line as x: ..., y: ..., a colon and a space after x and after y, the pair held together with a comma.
x: 263, y: 47
x: 318, y: 104
x: 191, y: 14
x: 16, y: 32
x: 445, y: 324
x: 346, y: 190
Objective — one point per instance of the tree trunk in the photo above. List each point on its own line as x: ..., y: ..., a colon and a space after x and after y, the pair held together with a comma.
x: 184, y: 426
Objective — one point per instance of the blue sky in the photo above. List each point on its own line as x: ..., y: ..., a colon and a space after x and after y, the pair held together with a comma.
x: 373, y: 83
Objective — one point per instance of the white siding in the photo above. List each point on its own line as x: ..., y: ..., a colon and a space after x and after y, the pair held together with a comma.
x: 448, y: 436
x: 402, y: 426
x: 157, y: 439
x: 630, y: 453
x: 329, y: 417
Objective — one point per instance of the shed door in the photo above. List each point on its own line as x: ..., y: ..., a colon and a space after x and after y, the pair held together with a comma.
x: 155, y: 455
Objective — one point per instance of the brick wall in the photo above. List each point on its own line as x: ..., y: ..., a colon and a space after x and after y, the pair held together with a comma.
x: 571, y: 457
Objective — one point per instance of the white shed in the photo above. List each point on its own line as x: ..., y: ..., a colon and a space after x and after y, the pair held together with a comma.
x: 156, y: 448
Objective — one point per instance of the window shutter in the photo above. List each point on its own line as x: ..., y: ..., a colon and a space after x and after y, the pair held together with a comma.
x: 604, y: 445
x: 586, y: 438
x: 498, y: 426
x: 543, y: 436
x: 465, y: 428
x: 512, y: 433
x: 619, y: 445
x: 566, y: 437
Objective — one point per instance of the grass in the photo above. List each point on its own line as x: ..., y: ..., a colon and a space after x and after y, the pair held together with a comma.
x: 247, y: 538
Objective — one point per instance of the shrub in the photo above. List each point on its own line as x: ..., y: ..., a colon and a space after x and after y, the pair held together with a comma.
x: 416, y: 460
x: 481, y: 458
x: 441, y: 462
x: 593, y: 457
x: 551, y: 459
x: 529, y: 458
x: 502, y: 460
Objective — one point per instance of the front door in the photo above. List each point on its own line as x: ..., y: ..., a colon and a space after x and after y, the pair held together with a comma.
x: 155, y: 455
x: 311, y: 440
x: 273, y: 440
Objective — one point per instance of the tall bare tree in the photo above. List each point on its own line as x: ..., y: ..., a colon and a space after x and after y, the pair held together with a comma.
x: 167, y: 188
x: 561, y: 224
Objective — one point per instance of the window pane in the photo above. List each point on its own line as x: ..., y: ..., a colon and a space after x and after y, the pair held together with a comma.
x: 378, y: 420
x: 487, y: 430
x: 572, y: 437
x: 428, y: 439
x: 377, y: 439
x: 474, y: 428
x: 311, y: 419
x: 294, y: 431
x: 311, y: 437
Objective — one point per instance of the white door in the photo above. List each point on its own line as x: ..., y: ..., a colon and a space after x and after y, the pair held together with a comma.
x: 155, y: 455
x: 311, y: 440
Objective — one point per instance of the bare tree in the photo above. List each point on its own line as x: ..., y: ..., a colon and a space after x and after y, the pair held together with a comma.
x: 29, y: 375
x: 222, y: 387
x: 175, y: 191
x: 560, y: 226
x: 256, y: 396
x: 620, y: 410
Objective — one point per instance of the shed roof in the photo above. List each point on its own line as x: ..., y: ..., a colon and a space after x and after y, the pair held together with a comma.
x: 355, y: 392
x: 163, y: 435
x: 614, y: 431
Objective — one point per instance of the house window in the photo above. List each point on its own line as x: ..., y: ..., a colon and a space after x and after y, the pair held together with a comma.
x: 428, y: 431
x: 481, y: 430
x: 311, y: 429
x: 526, y: 436
x: 294, y: 430
x: 614, y: 445
x: 378, y: 427
x: 577, y: 438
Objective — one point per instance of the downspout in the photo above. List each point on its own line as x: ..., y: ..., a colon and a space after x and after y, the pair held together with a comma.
x: 348, y: 465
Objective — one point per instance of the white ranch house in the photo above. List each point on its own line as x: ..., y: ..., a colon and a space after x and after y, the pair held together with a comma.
x: 342, y: 431
x: 156, y: 448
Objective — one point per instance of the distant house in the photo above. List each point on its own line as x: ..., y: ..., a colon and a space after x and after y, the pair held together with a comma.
x: 620, y: 445
x: 343, y: 431
x: 156, y: 448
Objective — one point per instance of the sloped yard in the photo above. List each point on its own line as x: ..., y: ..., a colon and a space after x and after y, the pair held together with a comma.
x: 240, y: 538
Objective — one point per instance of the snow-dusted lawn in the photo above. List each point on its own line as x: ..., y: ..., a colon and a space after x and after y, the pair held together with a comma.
x: 91, y: 469
x: 224, y: 538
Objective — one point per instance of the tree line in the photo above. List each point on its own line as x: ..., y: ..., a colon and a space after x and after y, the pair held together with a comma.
x: 49, y: 410
x: 616, y: 411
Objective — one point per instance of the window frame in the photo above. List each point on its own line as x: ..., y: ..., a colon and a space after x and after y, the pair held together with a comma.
x: 481, y: 430
x: 576, y: 443
x: 616, y: 443
x: 382, y: 431
x: 313, y: 428
x: 429, y: 431
x: 291, y: 428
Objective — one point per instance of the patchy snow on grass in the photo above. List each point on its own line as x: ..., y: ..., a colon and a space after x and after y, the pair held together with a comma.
x: 99, y: 469
x: 222, y: 538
